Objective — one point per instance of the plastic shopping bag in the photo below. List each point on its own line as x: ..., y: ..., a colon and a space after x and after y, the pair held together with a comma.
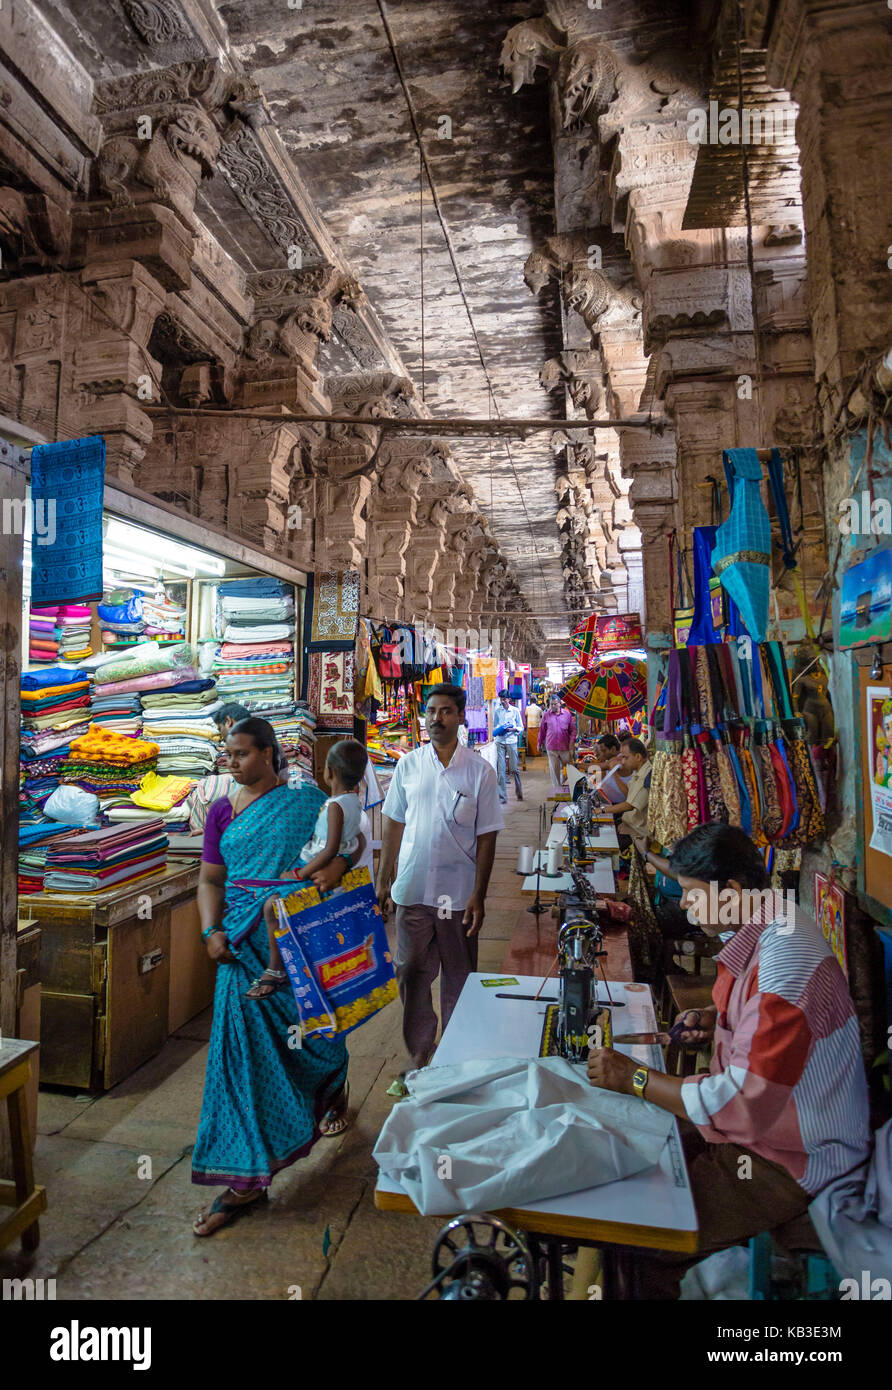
x: 336, y: 954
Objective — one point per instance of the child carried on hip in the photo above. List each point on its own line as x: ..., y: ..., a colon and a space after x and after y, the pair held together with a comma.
x: 336, y: 845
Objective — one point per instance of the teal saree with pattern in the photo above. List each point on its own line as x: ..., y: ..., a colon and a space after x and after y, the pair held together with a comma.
x: 266, y: 1088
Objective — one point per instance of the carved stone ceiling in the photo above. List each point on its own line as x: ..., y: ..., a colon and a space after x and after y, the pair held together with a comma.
x: 330, y: 80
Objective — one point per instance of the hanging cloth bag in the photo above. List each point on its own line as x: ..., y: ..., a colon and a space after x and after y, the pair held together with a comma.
x: 667, y: 810
x: 742, y: 554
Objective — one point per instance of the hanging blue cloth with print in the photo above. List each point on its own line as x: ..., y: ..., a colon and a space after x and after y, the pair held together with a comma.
x: 67, y: 483
x: 742, y: 555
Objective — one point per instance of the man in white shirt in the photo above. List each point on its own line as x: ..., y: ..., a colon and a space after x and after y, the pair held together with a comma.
x: 441, y: 818
x: 506, y: 725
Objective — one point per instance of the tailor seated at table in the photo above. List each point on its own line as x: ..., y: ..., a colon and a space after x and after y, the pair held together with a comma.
x: 783, y: 1109
x: 631, y: 811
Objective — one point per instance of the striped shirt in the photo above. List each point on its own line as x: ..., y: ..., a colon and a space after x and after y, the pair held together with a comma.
x: 787, y: 1077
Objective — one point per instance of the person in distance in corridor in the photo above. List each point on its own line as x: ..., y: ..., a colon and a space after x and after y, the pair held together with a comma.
x: 507, y: 726
x: 441, y: 819
x: 557, y: 735
x: 783, y: 1109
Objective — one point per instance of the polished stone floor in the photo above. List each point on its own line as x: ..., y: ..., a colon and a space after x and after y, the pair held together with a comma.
x: 117, y: 1168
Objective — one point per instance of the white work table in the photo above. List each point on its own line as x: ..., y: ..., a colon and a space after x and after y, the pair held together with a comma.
x: 599, y: 874
x: 654, y: 1209
x: 603, y: 837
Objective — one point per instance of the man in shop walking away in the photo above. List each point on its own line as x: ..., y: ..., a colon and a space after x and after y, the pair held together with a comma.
x: 441, y: 818
x: 507, y: 727
x: 557, y: 735
x: 783, y: 1109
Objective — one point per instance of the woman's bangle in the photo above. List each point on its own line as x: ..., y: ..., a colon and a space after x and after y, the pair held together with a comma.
x: 209, y: 931
x: 348, y: 859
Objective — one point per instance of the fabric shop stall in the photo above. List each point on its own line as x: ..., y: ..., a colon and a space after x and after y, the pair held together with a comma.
x: 118, y: 696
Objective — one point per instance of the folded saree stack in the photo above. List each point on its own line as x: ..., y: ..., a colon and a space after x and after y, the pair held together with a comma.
x: 98, y: 859
x: 108, y: 763
x: 34, y: 844
x: 255, y: 664
x: 60, y: 632
x: 55, y: 709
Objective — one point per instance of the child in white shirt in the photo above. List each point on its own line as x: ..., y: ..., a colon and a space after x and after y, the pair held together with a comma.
x: 337, y: 833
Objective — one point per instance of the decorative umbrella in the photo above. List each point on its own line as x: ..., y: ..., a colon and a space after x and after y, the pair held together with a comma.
x: 603, y: 632
x: 615, y: 689
x: 584, y: 641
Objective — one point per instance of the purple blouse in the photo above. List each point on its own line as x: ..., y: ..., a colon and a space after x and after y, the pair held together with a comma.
x: 219, y: 816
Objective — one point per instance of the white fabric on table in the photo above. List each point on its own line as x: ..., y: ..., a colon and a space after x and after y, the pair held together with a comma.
x: 515, y: 1131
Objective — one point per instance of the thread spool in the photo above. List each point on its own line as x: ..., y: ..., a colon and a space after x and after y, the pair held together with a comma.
x: 525, y: 860
x: 554, y: 860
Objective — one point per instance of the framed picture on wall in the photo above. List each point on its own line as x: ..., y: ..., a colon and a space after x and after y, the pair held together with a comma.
x: 830, y: 913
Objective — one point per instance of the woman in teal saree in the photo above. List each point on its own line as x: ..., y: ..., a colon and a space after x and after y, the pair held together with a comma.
x: 269, y: 1094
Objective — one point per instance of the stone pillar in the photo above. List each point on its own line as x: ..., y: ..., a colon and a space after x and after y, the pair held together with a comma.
x: 835, y: 60
x: 136, y: 235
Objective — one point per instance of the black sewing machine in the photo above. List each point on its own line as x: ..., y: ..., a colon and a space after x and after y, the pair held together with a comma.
x: 570, y: 1023
x: 580, y: 825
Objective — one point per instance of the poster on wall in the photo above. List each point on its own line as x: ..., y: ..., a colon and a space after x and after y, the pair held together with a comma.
x: 830, y: 914
x: 878, y: 730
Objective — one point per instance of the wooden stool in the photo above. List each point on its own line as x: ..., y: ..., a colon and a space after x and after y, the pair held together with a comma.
x: 19, y: 1193
x: 685, y: 992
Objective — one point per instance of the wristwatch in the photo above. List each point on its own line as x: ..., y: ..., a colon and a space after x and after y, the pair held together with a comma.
x: 639, y: 1080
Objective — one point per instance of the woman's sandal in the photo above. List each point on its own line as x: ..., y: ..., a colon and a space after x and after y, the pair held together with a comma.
x: 267, y: 984
x: 229, y: 1211
x: 335, y: 1117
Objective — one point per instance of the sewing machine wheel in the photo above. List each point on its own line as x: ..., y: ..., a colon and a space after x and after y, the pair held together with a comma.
x: 487, y: 1259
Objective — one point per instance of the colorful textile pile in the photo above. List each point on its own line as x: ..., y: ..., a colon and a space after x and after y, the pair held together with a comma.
x: 156, y: 798
x: 186, y: 735
x: 34, y: 843
x: 108, y: 763
x: 296, y: 733
x: 59, y: 632
x: 163, y: 618
x: 98, y: 859
x: 255, y: 664
x: 120, y: 713
x: 55, y: 709
x: 121, y: 616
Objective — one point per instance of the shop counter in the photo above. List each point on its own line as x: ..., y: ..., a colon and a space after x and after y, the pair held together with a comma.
x: 120, y: 971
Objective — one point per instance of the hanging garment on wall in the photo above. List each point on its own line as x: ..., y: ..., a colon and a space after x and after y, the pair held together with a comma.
x: 332, y: 610
x: 742, y: 555
x: 667, y: 808
x: 330, y: 689
x: 67, y: 481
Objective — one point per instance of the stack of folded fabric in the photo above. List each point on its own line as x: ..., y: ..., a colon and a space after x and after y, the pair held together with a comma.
x: 55, y: 709
x: 121, y: 616
x: 98, y: 859
x: 121, y: 713
x: 34, y: 843
x: 73, y: 631
x: 163, y: 618
x: 164, y: 798
x: 296, y: 733
x: 187, y: 744
x: 255, y: 664
x: 107, y: 763
x: 43, y: 643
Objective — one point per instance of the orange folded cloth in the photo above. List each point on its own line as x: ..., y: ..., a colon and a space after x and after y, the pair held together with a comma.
x: 28, y: 696
x: 103, y: 745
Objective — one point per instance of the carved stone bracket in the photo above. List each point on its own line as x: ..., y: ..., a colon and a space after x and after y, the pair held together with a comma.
x: 165, y: 130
